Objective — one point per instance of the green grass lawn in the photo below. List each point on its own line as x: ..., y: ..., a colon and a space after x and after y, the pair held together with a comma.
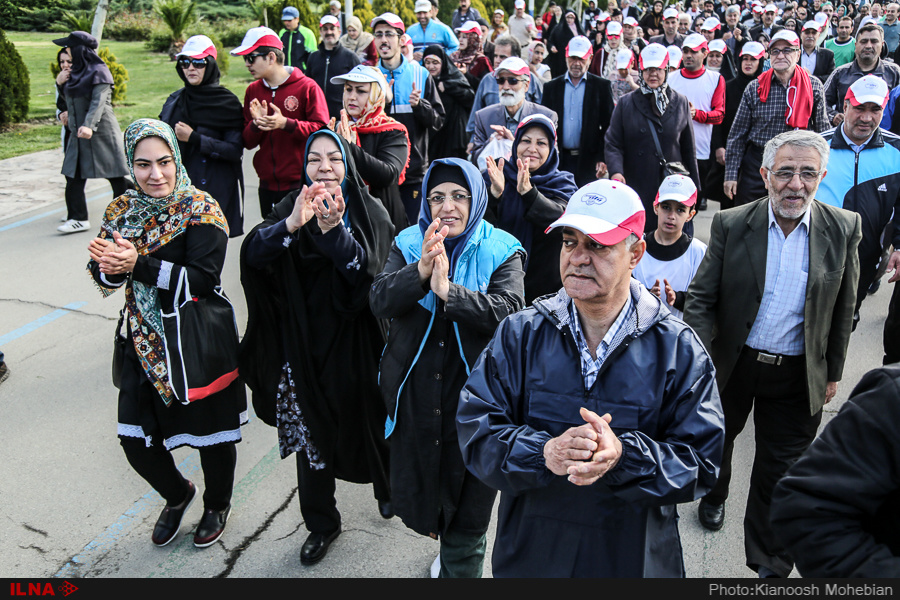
x: 152, y: 78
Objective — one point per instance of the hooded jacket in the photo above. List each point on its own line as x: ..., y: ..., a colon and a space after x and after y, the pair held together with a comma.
x: 527, y: 387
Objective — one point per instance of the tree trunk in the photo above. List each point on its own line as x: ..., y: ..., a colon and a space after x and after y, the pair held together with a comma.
x: 99, y: 19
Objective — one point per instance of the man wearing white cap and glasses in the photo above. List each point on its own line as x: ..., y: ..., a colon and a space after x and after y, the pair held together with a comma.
x: 331, y: 60
x: 819, y: 61
x: 584, y: 105
x: 766, y: 110
x: 428, y: 31
x: 501, y: 120
x: 863, y: 177
x: 670, y: 35
x: 573, y: 409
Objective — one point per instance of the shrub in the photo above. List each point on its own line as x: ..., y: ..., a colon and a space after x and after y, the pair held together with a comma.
x: 14, y: 83
x: 232, y: 32
x: 178, y: 15
x: 119, y: 73
x: 131, y: 27
x: 74, y: 20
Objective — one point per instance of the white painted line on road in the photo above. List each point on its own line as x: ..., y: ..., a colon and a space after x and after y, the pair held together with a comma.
x: 37, y: 323
x: 96, y: 196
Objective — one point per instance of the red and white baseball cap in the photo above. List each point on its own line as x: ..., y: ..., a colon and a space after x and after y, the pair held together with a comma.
x: 602, y: 17
x: 758, y: 9
x: 711, y: 24
x: 625, y: 59
x: 614, y: 28
x: 812, y: 25
x: 822, y: 18
x: 870, y: 88
x: 754, y: 49
x: 718, y: 46
x: 469, y: 27
x: 679, y: 188
x: 772, y: 8
x: 670, y: 13
x: 256, y: 37
x: 695, y: 41
x: 390, y: 19
x: 406, y: 40
x: 520, y: 4
x: 198, y: 46
x: 329, y: 20
x: 580, y: 47
x: 787, y: 36
x: 631, y: 21
x: 514, y: 65
x: 675, y: 56
x: 607, y: 211
x: 654, y: 55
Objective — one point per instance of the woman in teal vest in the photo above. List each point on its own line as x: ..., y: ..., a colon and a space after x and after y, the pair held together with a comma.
x: 448, y: 282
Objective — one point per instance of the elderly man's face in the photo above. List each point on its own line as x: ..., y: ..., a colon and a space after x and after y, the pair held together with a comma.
x: 501, y: 53
x: 684, y: 24
x: 791, y: 198
x: 783, y: 56
x: 731, y: 18
x: 592, y: 272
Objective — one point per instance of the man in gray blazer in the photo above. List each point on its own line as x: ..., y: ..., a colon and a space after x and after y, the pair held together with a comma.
x: 773, y: 302
x: 501, y: 120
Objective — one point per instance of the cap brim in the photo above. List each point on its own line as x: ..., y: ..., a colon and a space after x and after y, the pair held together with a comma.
x: 680, y: 198
x: 62, y: 41
x: 599, y: 230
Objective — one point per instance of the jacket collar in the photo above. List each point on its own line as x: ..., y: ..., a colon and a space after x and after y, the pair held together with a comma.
x: 838, y: 142
x: 649, y: 308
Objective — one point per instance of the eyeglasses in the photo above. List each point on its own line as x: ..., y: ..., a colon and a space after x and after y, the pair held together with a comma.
x: 386, y: 34
x: 252, y: 57
x: 508, y: 80
x: 455, y: 198
x: 199, y: 63
x: 780, y: 51
x: 788, y: 176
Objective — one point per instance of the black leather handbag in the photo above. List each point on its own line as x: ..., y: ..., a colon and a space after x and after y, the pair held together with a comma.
x: 119, y: 344
x: 668, y: 168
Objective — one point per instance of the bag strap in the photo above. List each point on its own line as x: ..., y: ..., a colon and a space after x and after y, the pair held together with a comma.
x: 183, y: 285
x: 659, y: 153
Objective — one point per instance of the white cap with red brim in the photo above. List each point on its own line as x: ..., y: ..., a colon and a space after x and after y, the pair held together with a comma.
x: 870, y: 88
x: 514, y: 65
x: 654, y: 55
x: 329, y: 20
x: 675, y: 56
x: 607, y: 211
x: 718, y: 46
x: 679, y: 188
x: 579, y: 47
x: 771, y: 8
x: 520, y: 4
x: 758, y: 9
x: 711, y: 24
x: 614, y: 28
x: 822, y: 18
x: 624, y: 59
x: 389, y: 19
x: 754, y: 49
x: 256, y: 37
x: 670, y: 13
x: 602, y: 17
x: 198, y: 46
x: 630, y: 21
x: 469, y: 27
x: 695, y: 41
x: 812, y: 25
x: 785, y: 36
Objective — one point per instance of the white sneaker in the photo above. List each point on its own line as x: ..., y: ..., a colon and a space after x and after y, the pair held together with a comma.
x: 436, y: 567
x: 73, y: 226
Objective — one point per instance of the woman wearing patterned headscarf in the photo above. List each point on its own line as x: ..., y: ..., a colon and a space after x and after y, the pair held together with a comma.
x: 94, y: 149
x: 470, y: 58
x: 149, y: 237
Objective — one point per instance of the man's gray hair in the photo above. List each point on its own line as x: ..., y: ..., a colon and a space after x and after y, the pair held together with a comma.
x: 799, y: 139
x: 631, y: 240
x: 733, y: 8
x: 508, y: 40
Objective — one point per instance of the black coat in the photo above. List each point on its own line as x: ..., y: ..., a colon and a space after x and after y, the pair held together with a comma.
x: 824, y: 64
x: 596, y: 113
x: 559, y: 38
x: 457, y: 97
x: 379, y: 161
x: 630, y: 149
x: 324, y: 64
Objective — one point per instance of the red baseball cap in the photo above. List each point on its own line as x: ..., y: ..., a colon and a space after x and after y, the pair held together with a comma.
x: 256, y: 37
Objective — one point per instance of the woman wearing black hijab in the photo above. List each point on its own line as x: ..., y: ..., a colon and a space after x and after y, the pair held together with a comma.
x: 94, y: 149
x: 457, y: 96
x: 208, y: 120
x: 568, y: 28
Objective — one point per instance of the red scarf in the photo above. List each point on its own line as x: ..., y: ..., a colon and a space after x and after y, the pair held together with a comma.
x: 800, y: 110
x: 375, y: 121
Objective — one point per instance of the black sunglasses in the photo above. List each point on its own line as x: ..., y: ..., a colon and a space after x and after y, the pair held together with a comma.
x: 252, y: 57
x: 199, y: 63
x: 508, y: 80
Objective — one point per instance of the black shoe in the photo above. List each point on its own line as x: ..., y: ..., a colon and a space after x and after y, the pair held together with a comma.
x: 211, y: 527
x: 874, y: 287
x: 316, y: 546
x: 712, y: 516
x: 855, y: 321
x: 702, y: 204
x: 386, y: 509
x: 169, y: 521
x: 4, y: 372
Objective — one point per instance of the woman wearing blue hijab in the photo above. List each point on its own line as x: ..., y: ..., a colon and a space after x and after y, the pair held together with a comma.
x: 526, y: 194
x: 448, y: 282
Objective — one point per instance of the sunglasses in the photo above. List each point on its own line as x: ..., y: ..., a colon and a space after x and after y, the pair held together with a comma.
x: 199, y: 63
x: 508, y: 80
x: 250, y: 58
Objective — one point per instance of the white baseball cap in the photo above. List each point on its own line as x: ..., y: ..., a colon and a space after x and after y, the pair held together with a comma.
x: 422, y: 6
x: 499, y: 11
x: 822, y: 18
x: 654, y: 55
x: 607, y: 211
x: 614, y: 28
x: 469, y: 27
x: 363, y: 74
x: 513, y: 64
x: 630, y: 21
x: 758, y: 9
x: 579, y: 47
x: 869, y: 88
x: 670, y: 13
x: 624, y: 59
x: 389, y: 19
x: 198, y: 46
x: 812, y: 25
x: 711, y: 24
x: 679, y: 188
x: 520, y: 3
x: 602, y: 17
x: 256, y: 37
x: 771, y: 8
x: 675, y: 56
x: 695, y: 41
x: 329, y: 20
x: 718, y: 46
x: 754, y: 49
x: 788, y: 36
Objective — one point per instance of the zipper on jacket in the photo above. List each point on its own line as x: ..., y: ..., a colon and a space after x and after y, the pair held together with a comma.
x: 325, y: 83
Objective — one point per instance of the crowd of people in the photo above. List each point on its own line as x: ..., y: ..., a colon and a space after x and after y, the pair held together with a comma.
x: 476, y: 270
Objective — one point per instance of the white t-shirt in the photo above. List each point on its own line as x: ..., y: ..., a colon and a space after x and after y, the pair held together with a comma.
x: 679, y: 271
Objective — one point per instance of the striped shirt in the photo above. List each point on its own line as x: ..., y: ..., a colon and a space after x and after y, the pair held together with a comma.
x: 779, y: 323
x: 624, y: 325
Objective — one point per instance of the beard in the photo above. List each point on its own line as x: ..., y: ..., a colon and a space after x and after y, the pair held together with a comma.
x: 511, y: 98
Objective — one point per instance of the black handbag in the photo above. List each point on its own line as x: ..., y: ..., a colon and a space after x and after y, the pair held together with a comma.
x: 119, y: 344
x: 668, y: 168
x: 201, y: 342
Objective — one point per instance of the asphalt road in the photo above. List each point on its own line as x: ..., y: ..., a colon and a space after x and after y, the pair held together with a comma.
x: 70, y: 506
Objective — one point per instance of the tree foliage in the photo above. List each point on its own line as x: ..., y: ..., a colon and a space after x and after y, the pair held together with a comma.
x: 14, y: 83
x: 405, y: 9
x: 178, y: 15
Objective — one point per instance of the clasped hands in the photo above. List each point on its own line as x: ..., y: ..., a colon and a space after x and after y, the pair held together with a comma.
x: 316, y: 201
x: 115, y: 257
x: 584, y: 453
x: 434, y: 266
x: 259, y: 112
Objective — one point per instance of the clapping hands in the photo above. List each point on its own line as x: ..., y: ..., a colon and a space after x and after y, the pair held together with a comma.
x: 434, y: 265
